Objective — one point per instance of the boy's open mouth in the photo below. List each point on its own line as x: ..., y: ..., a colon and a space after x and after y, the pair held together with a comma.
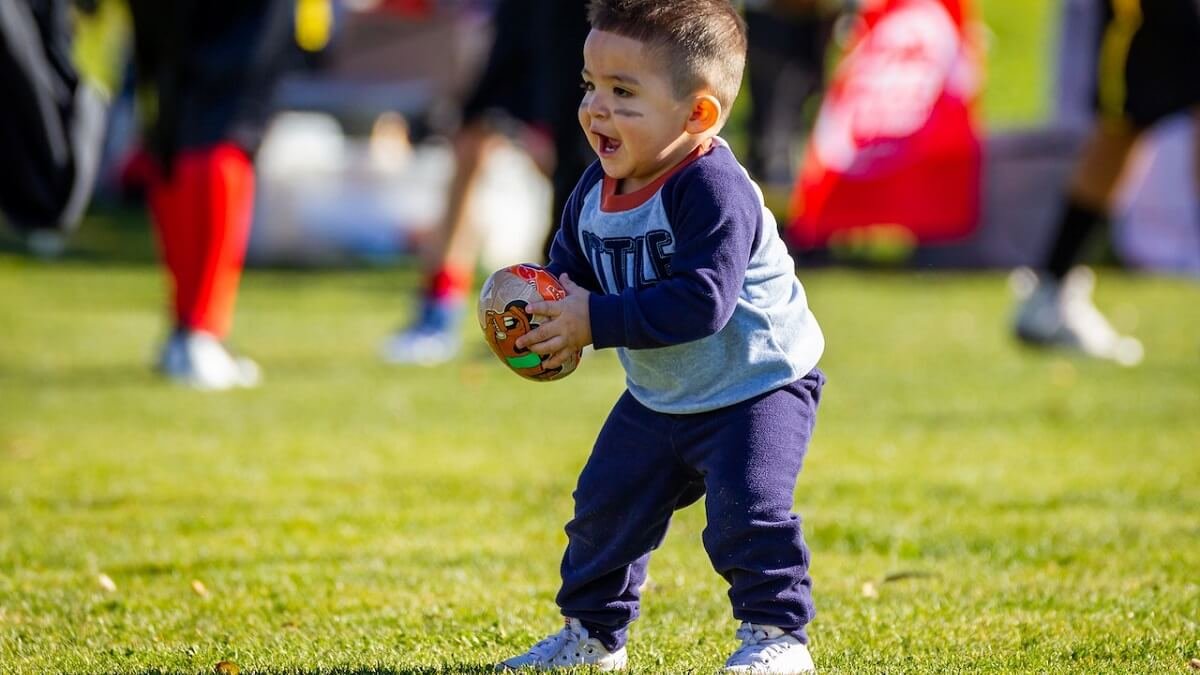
x: 606, y: 145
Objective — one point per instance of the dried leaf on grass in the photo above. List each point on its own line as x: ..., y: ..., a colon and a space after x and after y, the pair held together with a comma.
x: 226, y: 668
x: 199, y: 588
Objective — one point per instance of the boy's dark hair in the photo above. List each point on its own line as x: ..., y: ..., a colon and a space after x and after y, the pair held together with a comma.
x: 704, y: 41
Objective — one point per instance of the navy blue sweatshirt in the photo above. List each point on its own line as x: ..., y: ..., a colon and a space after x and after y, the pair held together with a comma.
x: 690, y: 282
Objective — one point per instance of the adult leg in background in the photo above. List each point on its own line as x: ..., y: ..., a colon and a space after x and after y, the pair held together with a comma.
x: 1140, y: 80
x: 208, y: 68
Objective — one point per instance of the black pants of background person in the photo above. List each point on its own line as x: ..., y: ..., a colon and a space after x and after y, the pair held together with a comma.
x: 51, y: 123
x: 210, y: 84
x: 211, y: 66
x: 786, y: 68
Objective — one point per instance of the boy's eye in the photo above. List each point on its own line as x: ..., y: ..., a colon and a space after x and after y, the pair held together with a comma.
x: 621, y: 92
x: 586, y: 86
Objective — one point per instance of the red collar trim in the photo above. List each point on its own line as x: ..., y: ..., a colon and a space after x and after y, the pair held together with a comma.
x: 610, y: 201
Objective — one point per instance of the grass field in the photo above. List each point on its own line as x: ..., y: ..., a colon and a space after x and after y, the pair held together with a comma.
x: 972, y: 507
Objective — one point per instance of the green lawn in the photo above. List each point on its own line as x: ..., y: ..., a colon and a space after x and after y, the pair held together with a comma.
x: 1041, y: 513
x: 971, y: 506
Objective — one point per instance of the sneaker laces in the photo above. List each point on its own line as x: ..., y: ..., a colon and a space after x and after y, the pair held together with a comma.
x: 568, y: 648
x: 572, y: 633
x: 575, y: 643
x: 760, y: 644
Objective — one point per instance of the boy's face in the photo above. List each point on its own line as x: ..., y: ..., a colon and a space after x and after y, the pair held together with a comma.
x: 629, y: 111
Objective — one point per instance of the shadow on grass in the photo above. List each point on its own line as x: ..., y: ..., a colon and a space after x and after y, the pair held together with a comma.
x: 448, y: 669
x: 467, y: 668
x: 123, y: 236
x: 117, y: 235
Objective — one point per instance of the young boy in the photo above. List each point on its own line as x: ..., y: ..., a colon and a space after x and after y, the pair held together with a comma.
x: 668, y: 254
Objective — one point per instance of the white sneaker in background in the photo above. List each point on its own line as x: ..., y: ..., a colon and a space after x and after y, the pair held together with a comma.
x: 199, y: 360
x: 431, y: 340
x: 419, y: 347
x: 568, y: 648
x: 769, y: 650
x: 46, y: 244
x: 1061, y: 314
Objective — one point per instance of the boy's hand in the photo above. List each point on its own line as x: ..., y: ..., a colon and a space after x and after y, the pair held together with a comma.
x: 568, y: 330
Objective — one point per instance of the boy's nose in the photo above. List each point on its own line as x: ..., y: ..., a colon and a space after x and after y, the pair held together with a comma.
x: 596, y: 107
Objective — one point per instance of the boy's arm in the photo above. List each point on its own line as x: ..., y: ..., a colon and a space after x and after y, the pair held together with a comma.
x: 565, y: 254
x: 567, y: 329
x: 716, y: 218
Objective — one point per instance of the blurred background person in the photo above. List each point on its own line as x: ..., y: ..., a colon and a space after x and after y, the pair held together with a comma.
x: 51, y: 127
x: 1148, y: 69
x: 786, y: 62
x: 528, y: 93
x: 205, y: 74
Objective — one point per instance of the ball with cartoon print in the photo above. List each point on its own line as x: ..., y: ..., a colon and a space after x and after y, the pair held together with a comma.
x: 503, y: 318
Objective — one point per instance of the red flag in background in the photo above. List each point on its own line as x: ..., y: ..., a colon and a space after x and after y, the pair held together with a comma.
x: 417, y: 9
x: 895, y: 142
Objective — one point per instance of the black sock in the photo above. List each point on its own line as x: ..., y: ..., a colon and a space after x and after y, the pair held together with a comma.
x: 1074, y: 225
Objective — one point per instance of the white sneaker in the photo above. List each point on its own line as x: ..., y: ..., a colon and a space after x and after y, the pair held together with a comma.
x: 1062, y: 314
x: 199, y: 360
x: 420, y: 347
x: 767, y: 649
x: 46, y: 244
x: 432, y: 339
x: 568, y: 648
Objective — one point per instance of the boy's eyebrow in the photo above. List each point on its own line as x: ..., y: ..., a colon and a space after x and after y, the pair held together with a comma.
x: 627, y: 79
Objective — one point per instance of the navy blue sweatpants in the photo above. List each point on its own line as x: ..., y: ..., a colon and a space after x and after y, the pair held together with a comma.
x: 645, y: 465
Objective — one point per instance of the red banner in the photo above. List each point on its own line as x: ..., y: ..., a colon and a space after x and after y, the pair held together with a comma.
x: 895, y: 142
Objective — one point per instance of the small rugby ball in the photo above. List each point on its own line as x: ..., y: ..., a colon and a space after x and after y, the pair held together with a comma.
x: 504, y: 318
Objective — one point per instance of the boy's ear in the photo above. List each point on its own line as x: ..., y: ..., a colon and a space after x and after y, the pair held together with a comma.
x: 706, y: 114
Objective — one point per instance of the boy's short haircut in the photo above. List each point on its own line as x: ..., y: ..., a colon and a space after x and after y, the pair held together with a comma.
x: 704, y: 41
